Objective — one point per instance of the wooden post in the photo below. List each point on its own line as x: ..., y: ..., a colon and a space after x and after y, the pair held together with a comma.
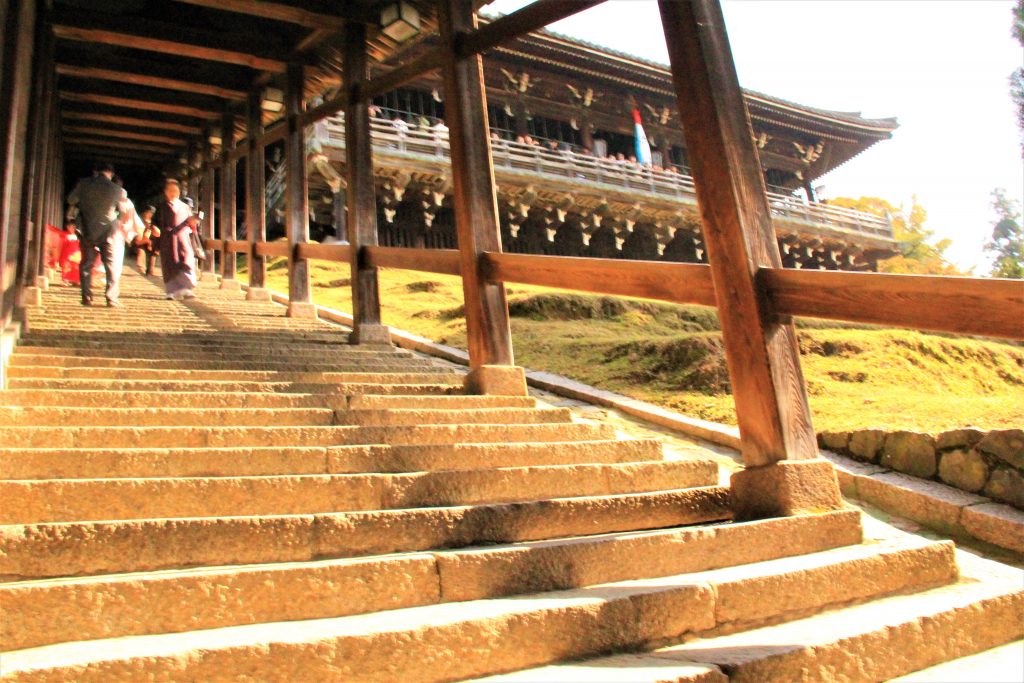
x: 209, y: 200
x: 255, y: 198
x: 360, y: 197
x: 300, y: 299
x: 779, y: 447
x: 32, y: 252
x: 489, y: 337
x: 228, y: 201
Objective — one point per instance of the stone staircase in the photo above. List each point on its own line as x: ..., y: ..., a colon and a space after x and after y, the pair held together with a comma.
x: 207, y: 490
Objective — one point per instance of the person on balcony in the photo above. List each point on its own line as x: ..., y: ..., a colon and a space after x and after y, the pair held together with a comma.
x: 177, y: 257
x: 100, y: 202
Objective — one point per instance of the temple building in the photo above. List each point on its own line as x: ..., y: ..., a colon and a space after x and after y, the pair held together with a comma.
x: 561, y: 115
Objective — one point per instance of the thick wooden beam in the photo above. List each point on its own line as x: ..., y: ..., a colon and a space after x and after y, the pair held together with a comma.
x: 533, y: 17
x: 264, y: 9
x: 389, y: 80
x: 273, y: 249
x: 255, y: 193
x: 964, y: 305
x: 445, y: 261
x: 337, y: 253
x: 208, y: 201
x: 168, y: 38
x: 488, y: 336
x: 113, y: 143
x: 132, y: 103
x: 140, y: 121
x: 676, y: 282
x: 761, y: 349
x: 228, y: 198
x: 296, y: 192
x: 202, y: 105
x: 125, y: 134
x: 360, y: 197
x: 150, y: 80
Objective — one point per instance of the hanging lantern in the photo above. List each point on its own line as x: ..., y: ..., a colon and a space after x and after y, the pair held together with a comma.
x: 399, y: 21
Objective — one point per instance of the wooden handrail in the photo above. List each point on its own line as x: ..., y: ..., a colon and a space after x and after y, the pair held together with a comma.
x: 212, y: 244
x: 339, y: 253
x: 675, y: 282
x: 445, y: 261
x: 237, y: 246
x: 271, y: 249
x: 964, y: 305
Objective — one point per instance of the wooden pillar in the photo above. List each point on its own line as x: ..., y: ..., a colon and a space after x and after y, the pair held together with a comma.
x: 779, y: 447
x: 300, y: 299
x: 228, y: 201
x: 255, y: 198
x: 209, y: 200
x: 488, y: 335
x: 360, y: 198
x: 32, y: 252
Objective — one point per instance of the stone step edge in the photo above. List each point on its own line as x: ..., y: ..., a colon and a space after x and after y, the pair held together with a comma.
x: 649, y: 610
x: 94, y: 548
x: 135, y: 600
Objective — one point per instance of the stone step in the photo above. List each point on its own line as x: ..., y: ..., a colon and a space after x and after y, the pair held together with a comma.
x: 106, y: 547
x: 445, y: 641
x: 430, y: 416
x: 879, y: 640
x: 437, y: 384
x: 78, y: 500
x: 85, y: 463
x: 128, y: 399
x: 236, y: 352
x: 281, y: 364
x: 220, y: 437
x: 1003, y: 664
x: 48, y: 611
x: 398, y: 372
x: 188, y: 418
x: 126, y: 336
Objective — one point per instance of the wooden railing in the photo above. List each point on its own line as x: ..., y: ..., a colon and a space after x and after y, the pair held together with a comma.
x: 429, y: 144
x: 961, y: 305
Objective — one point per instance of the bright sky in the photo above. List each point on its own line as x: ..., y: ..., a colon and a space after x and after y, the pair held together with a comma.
x: 940, y: 67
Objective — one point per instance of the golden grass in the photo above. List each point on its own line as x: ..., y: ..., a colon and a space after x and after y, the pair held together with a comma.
x: 671, y: 355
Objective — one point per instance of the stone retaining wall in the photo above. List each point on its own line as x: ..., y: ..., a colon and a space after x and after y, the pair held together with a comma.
x: 989, y: 463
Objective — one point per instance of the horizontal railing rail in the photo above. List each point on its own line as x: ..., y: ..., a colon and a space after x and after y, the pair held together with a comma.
x: 961, y: 305
x: 392, y: 138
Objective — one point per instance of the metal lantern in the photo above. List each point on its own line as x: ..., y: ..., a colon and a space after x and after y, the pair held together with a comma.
x: 399, y: 21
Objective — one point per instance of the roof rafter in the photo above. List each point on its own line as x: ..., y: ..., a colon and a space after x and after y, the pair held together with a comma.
x: 277, y: 11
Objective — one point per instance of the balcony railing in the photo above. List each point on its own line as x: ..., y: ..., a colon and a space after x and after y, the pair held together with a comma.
x: 432, y: 143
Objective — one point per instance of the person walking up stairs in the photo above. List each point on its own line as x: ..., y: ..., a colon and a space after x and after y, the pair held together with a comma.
x: 208, y: 490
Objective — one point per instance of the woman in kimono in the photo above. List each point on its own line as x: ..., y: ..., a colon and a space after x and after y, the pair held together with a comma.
x: 177, y: 258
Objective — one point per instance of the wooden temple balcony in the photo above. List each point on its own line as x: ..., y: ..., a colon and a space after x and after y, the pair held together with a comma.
x: 534, y: 175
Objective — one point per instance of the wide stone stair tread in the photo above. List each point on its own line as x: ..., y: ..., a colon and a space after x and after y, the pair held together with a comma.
x: 209, y: 490
x: 444, y: 641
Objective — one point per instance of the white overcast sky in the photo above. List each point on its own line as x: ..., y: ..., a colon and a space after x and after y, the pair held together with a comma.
x: 939, y: 66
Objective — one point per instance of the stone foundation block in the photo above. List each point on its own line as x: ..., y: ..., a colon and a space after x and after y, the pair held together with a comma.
x: 497, y: 380
x: 33, y: 296
x: 305, y: 309
x: 1005, y: 444
x: 364, y: 333
x: 865, y: 444
x: 958, y: 438
x: 230, y: 284
x: 997, y: 524
x: 43, y: 282
x: 1006, y: 485
x: 257, y: 294
x: 910, y: 452
x: 834, y: 441
x: 786, y: 488
x: 965, y: 470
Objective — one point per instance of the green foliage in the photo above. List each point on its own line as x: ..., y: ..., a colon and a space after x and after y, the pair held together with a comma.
x: 1017, y: 77
x: 918, y: 253
x: 1007, y: 241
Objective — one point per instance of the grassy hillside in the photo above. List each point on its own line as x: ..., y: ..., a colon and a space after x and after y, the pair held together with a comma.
x: 672, y: 355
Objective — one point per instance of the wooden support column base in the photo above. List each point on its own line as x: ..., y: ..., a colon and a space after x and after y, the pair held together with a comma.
x: 8, y: 339
x: 43, y: 282
x: 787, y: 488
x: 230, y: 283
x: 52, y: 275
x: 257, y: 294
x: 366, y: 333
x: 33, y: 296
x: 302, y: 309
x: 496, y: 380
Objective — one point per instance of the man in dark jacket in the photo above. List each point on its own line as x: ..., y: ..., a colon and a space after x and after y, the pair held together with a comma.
x: 100, y: 204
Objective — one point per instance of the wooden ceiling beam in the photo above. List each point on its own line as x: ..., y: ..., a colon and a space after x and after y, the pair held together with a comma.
x: 169, y: 38
x: 113, y: 143
x: 135, y: 78
x: 96, y: 151
x: 143, y: 104
x: 140, y: 120
x: 126, y: 134
x: 276, y: 11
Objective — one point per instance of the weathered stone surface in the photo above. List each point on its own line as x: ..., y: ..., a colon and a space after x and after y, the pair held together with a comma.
x: 866, y: 443
x: 499, y: 380
x: 998, y: 524
x: 910, y: 452
x: 930, y: 503
x: 958, y: 438
x: 965, y: 470
x: 1005, y: 444
x: 788, y: 487
x: 1007, y: 486
x: 835, y: 441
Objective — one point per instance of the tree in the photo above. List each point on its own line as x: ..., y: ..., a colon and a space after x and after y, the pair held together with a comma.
x: 1017, y: 77
x: 1007, y: 241
x: 917, y: 254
